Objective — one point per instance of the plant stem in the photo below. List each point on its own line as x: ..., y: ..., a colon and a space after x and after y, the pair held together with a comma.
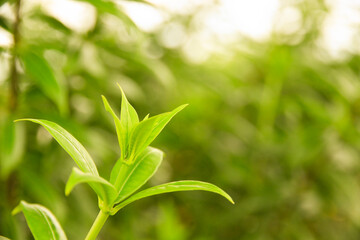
x: 102, y: 216
x: 97, y: 225
x: 13, y: 98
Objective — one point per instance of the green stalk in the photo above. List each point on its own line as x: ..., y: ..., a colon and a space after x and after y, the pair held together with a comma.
x: 14, y: 76
x: 102, y: 216
x: 97, y: 225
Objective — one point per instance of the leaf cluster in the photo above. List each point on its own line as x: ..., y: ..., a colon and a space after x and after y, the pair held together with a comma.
x: 136, y: 165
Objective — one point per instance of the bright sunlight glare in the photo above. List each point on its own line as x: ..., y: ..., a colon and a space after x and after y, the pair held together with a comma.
x: 340, y: 27
x: 226, y: 21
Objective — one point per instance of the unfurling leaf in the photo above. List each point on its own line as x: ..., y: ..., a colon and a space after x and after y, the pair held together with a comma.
x: 124, y: 125
x: 42, y: 223
x: 140, y: 172
x: 186, y: 185
x: 129, y: 119
x: 72, y: 146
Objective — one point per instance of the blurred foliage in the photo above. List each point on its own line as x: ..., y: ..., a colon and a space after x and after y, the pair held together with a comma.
x: 276, y: 124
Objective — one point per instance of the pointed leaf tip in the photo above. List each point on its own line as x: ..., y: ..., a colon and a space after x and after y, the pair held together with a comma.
x: 118, y: 125
x: 147, y: 130
x: 106, y: 104
x: 17, y: 209
x: 146, y: 117
x: 22, y: 119
x: 123, y: 96
x: 181, y: 107
x: 122, y: 91
x: 129, y: 118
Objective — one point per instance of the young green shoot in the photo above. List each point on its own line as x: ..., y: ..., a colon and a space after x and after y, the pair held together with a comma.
x: 137, y: 163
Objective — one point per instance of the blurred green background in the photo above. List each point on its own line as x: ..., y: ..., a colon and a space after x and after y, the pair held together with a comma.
x: 274, y: 115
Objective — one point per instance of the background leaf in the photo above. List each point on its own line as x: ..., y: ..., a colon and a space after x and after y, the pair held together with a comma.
x: 40, y: 71
x: 12, y: 145
x: 169, y: 224
x: 42, y: 223
x: 104, y: 6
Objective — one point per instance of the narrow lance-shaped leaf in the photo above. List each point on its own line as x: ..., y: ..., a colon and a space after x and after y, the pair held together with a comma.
x: 129, y: 116
x: 104, y: 6
x: 72, y: 146
x: 115, y: 171
x: 186, y: 185
x: 129, y: 119
x: 53, y: 22
x: 12, y: 146
x: 42, y: 223
x: 3, y: 21
x: 140, y: 172
x: 118, y: 126
x: 146, y: 131
x: 103, y: 188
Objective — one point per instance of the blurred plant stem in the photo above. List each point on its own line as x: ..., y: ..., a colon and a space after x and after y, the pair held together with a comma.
x: 97, y: 225
x: 9, y: 192
x: 14, y: 77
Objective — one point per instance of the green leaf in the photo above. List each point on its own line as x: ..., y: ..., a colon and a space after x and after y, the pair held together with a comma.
x: 53, y: 22
x: 140, y: 172
x: 129, y: 119
x: 146, y: 117
x: 4, y: 238
x: 12, y: 145
x: 3, y: 1
x: 146, y: 131
x: 118, y: 126
x: 169, y: 224
x: 104, y: 6
x: 103, y: 188
x: 42, y: 223
x: 113, y: 8
x: 187, y: 185
x: 129, y: 116
x: 124, y: 125
x: 115, y: 171
x: 4, y: 23
x: 40, y: 71
x: 72, y: 146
